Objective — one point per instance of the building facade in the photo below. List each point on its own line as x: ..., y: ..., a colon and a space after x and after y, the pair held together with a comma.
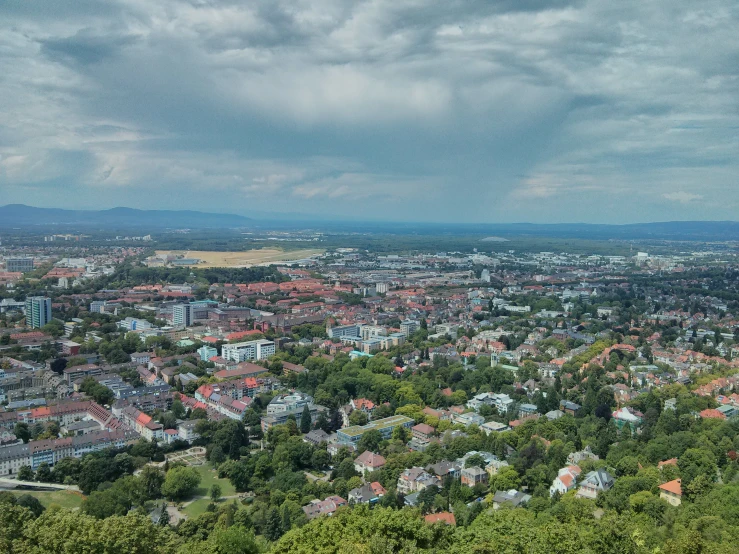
x: 38, y: 311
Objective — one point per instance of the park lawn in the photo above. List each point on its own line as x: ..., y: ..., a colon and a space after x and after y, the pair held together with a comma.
x: 196, y: 508
x: 65, y: 499
x: 209, y: 477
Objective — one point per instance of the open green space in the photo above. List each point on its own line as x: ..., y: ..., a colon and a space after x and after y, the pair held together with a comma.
x: 65, y: 499
x: 208, y: 478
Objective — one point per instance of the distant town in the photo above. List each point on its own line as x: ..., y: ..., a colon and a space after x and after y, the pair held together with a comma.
x: 447, y: 382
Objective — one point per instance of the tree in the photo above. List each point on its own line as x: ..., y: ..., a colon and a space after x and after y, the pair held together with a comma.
x: 217, y: 457
x: 58, y: 365
x: 358, y: 417
x: 370, y: 441
x: 107, y: 503
x: 22, y: 432
x: 695, y: 462
x: 305, y: 420
x: 178, y: 408
x: 320, y: 459
x: 25, y: 473
x: 180, y: 482
x: 215, y: 492
x: 32, y: 503
x: 273, y: 527
x: 164, y: 516
x: 237, y: 539
x: 234, y: 448
x: 43, y: 473
x: 476, y: 460
x: 151, y: 480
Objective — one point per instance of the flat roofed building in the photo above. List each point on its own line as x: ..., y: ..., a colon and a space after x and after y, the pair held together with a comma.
x: 386, y: 426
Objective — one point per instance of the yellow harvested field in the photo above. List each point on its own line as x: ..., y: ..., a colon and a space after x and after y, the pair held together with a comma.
x: 248, y: 258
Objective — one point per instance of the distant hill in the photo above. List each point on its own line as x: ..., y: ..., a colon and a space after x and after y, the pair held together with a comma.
x: 20, y: 215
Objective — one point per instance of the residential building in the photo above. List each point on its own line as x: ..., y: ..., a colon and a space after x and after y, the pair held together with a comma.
x: 595, y: 481
x: 182, y: 315
x: 407, y: 328
x: 386, y: 426
x: 316, y: 437
x: 474, y: 475
x: 569, y: 407
x: 97, y: 306
x: 343, y: 331
x: 206, y: 352
x: 324, y: 507
x: 280, y: 418
x: 441, y: 517
x: 468, y: 418
x: 494, y: 427
x: 368, y: 462
x: 416, y: 479
x: 513, y: 497
x: 141, y: 358
x: 186, y: 430
x: 574, y: 458
x: 134, y: 324
x: 18, y: 265
x: 288, y: 402
x: 34, y: 453
x: 444, y: 469
x: 38, y: 311
x: 142, y: 423
x: 494, y: 466
x: 252, y: 350
x: 672, y: 492
x: 565, y: 481
x: 422, y: 432
x: 367, y: 494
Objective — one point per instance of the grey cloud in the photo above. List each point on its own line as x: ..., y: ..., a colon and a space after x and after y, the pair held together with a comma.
x: 518, y: 110
x: 85, y: 47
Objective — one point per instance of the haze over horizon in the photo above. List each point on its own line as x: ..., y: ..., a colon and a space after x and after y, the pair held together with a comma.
x: 508, y: 111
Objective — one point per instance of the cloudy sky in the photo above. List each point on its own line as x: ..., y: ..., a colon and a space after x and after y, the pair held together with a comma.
x: 461, y: 110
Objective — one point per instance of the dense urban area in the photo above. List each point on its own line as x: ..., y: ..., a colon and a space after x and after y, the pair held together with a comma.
x: 374, y: 399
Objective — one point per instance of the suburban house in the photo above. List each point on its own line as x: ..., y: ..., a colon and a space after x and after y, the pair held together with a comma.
x: 565, y: 481
x: 415, y: 479
x: 569, y: 407
x: 574, y: 458
x: 316, y: 437
x: 324, y: 507
x: 595, y: 481
x: 368, y: 461
x: 474, y: 475
x: 367, y: 494
x: 672, y: 492
x: 443, y: 517
x: 513, y: 497
x: 445, y: 469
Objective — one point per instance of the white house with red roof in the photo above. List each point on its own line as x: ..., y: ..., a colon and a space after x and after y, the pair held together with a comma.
x: 565, y: 481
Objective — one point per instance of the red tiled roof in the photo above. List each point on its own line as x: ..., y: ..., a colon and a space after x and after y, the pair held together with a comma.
x: 444, y: 517
x: 673, y: 486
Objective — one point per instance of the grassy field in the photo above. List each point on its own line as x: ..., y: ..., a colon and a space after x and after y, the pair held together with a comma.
x: 65, y: 499
x: 247, y: 258
x: 208, y: 478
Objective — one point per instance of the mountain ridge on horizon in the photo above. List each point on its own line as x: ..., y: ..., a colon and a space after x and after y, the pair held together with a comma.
x: 14, y: 215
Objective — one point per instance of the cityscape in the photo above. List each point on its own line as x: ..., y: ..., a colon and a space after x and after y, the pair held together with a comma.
x: 447, y: 388
x: 369, y: 277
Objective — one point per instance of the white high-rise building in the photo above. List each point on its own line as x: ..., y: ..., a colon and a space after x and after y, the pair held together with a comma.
x: 182, y: 315
x: 38, y: 311
x: 245, y: 351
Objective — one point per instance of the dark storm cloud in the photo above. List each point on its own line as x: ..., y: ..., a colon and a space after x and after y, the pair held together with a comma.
x: 459, y: 110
